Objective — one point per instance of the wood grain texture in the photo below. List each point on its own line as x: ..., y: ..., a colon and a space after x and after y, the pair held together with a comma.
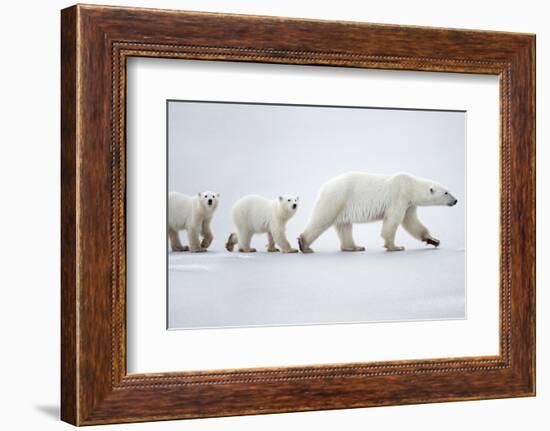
x: 69, y: 364
x: 96, y: 41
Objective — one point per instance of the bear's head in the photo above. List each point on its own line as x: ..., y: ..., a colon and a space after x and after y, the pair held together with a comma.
x: 436, y: 194
x: 288, y: 204
x: 208, y: 200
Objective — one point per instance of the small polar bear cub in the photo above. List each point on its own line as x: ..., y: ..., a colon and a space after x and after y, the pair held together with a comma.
x: 359, y: 197
x: 254, y: 214
x: 194, y: 214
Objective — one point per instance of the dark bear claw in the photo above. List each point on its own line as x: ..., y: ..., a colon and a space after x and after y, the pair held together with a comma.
x: 432, y: 241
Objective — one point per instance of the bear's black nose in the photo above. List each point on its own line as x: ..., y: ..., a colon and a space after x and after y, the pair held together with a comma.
x: 294, y: 206
x: 209, y: 201
x: 454, y: 203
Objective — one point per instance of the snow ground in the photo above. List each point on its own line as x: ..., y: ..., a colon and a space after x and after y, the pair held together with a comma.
x: 222, y: 289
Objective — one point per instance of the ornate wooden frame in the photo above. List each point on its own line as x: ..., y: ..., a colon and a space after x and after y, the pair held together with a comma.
x: 95, y: 43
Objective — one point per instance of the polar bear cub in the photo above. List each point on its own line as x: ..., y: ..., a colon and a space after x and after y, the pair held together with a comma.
x: 194, y: 214
x: 359, y: 197
x: 254, y: 214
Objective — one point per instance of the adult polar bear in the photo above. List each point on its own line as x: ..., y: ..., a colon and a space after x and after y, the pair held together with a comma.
x: 359, y: 197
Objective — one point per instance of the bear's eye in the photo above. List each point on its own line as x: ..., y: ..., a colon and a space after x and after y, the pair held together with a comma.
x: 446, y: 193
x: 289, y: 200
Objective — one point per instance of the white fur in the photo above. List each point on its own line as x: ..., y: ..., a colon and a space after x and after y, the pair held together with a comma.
x: 254, y: 214
x: 359, y: 197
x: 194, y: 214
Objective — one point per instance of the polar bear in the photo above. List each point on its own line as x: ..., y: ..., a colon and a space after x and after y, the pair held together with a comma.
x: 192, y: 213
x: 360, y: 197
x: 255, y: 214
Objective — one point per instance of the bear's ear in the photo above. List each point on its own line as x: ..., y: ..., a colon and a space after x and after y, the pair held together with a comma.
x: 217, y: 195
x: 280, y: 198
x: 297, y: 198
x: 199, y: 194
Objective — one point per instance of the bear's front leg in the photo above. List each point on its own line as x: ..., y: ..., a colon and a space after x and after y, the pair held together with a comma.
x: 271, y: 243
x: 392, y: 220
x: 279, y: 237
x: 206, y: 234
x: 414, y: 226
x: 194, y: 244
x: 431, y: 241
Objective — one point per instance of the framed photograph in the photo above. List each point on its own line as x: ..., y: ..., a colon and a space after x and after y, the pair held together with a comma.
x: 265, y: 214
x: 249, y: 151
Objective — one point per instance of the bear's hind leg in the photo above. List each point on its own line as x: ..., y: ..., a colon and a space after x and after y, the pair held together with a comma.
x: 194, y: 242
x: 323, y: 216
x: 175, y: 243
x: 310, y: 234
x: 231, y: 241
x: 345, y: 233
x: 206, y: 233
x: 271, y: 243
x: 245, y: 237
